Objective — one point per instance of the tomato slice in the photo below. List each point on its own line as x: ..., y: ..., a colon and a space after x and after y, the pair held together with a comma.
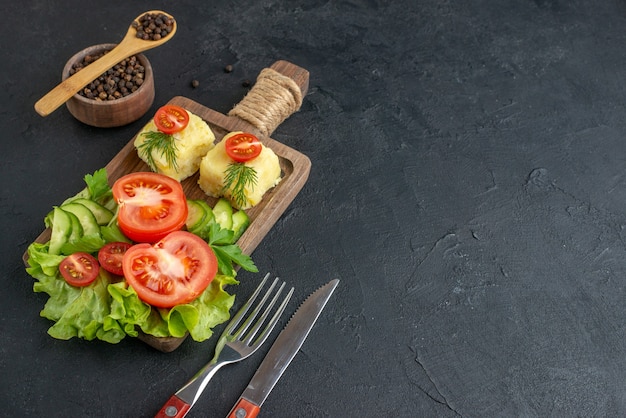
x: 242, y: 147
x: 79, y: 269
x: 151, y: 205
x: 173, y: 271
x: 110, y: 257
x: 170, y: 119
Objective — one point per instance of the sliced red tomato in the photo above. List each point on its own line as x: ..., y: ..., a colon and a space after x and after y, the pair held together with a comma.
x: 242, y: 147
x: 110, y: 257
x: 151, y: 206
x: 170, y: 119
x: 173, y: 271
x: 79, y: 269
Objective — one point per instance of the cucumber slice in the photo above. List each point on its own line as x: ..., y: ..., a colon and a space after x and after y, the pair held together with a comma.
x: 61, y: 230
x: 84, y: 215
x: 223, y: 212
x: 199, y: 218
x: 77, y: 228
x: 103, y: 215
x: 196, y: 214
x: 210, y: 216
x: 241, y: 220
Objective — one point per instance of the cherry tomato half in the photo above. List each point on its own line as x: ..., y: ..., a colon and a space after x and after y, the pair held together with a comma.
x: 170, y: 119
x: 110, y: 257
x: 151, y: 205
x: 242, y: 147
x: 79, y: 269
x: 173, y: 271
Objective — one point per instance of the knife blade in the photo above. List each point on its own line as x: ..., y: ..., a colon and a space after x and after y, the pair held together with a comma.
x: 281, y: 353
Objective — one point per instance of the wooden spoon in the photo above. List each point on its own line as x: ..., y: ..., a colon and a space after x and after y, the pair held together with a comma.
x: 129, y: 46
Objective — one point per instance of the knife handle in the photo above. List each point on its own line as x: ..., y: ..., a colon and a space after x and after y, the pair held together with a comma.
x: 244, y: 409
x: 174, y: 408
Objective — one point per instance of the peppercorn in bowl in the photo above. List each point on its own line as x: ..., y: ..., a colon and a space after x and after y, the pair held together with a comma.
x: 121, y: 95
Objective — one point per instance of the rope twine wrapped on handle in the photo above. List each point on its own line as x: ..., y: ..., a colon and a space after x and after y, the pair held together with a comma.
x: 272, y: 99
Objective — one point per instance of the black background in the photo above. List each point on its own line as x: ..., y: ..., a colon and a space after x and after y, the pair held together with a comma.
x: 468, y: 189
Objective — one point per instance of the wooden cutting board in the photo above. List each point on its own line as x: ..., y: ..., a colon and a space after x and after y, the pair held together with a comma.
x: 294, y: 165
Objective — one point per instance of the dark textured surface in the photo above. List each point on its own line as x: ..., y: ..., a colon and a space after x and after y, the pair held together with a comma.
x: 468, y: 188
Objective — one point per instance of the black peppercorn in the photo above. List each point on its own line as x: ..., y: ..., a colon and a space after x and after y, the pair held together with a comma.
x: 119, y: 81
x: 153, y: 26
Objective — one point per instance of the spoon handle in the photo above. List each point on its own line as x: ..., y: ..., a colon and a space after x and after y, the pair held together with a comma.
x: 71, y: 85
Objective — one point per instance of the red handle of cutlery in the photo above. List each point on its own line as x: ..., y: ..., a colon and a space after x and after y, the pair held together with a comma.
x: 173, y: 408
x: 244, y: 409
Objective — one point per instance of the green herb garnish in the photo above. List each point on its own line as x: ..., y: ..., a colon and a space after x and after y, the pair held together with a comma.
x: 227, y: 254
x: 237, y: 177
x: 160, y: 142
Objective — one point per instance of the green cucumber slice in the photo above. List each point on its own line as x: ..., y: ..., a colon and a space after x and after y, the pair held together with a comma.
x: 241, y: 221
x: 196, y: 214
x: 103, y: 215
x: 87, y: 219
x: 77, y: 228
x: 199, y: 218
x: 61, y: 230
x: 223, y: 212
x: 210, y: 216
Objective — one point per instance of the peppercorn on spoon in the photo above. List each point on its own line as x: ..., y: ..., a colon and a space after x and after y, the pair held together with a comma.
x: 129, y: 46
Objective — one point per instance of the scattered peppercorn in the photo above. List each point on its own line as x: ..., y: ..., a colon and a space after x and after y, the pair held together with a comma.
x: 228, y: 69
x: 246, y: 83
x: 153, y: 26
x: 119, y: 81
x: 195, y: 83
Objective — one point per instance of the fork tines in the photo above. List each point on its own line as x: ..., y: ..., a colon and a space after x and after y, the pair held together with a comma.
x: 248, y: 332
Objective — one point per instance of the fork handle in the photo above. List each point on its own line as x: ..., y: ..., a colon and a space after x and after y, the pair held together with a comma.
x: 174, y: 408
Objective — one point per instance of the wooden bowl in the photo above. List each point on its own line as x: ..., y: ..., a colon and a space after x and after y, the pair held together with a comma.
x: 111, y: 113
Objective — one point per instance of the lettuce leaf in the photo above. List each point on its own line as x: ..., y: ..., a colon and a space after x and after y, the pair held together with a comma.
x: 86, y: 243
x: 110, y: 311
x: 79, y: 311
x: 200, y: 316
x: 86, y: 316
x: 42, y: 263
x: 197, y: 318
x: 126, y: 308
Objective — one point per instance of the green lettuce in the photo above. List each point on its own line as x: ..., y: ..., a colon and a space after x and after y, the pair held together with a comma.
x: 41, y: 262
x: 86, y: 244
x: 78, y: 311
x: 197, y: 318
x: 110, y: 311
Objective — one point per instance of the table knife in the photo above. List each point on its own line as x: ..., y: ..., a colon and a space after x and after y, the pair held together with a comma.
x: 282, y: 352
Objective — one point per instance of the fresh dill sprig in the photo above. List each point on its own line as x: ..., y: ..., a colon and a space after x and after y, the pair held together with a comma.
x: 160, y: 142
x: 236, y: 178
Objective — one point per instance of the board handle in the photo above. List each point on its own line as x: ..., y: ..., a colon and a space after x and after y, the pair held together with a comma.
x: 276, y: 95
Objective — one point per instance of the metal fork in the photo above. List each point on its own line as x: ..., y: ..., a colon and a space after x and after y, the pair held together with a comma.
x: 242, y: 337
